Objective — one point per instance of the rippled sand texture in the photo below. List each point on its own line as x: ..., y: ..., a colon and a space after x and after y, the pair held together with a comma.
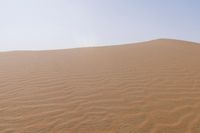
x: 150, y: 87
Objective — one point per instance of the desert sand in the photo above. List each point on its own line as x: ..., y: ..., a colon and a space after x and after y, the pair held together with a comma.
x: 148, y: 87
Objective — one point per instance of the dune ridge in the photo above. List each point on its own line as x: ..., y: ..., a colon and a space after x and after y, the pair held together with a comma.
x: 148, y: 87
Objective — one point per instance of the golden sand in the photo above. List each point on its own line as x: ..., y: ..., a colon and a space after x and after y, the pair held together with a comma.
x: 149, y: 87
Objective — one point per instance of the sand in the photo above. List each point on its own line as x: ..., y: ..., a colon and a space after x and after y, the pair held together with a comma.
x: 149, y: 87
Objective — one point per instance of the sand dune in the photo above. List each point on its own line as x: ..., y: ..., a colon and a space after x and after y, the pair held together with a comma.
x: 149, y: 87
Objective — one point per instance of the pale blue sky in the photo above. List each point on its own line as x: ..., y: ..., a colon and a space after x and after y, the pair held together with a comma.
x: 57, y: 24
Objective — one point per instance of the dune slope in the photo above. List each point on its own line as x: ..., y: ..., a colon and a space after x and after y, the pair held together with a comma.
x: 149, y: 87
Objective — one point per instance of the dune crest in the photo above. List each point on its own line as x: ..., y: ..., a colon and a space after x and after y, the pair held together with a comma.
x: 150, y: 87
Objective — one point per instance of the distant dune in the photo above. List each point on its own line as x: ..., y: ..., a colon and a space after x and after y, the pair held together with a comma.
x: 149, y: 87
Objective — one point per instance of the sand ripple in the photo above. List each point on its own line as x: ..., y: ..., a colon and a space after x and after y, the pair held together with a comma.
x: 146, y: 88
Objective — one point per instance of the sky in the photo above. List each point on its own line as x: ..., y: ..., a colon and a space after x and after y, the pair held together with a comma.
x: 60, y: 24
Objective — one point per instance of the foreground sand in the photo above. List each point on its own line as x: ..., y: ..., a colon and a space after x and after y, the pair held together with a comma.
x: 150, y: 87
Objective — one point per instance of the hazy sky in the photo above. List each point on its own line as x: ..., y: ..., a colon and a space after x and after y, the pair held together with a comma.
x: 55, y: 24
